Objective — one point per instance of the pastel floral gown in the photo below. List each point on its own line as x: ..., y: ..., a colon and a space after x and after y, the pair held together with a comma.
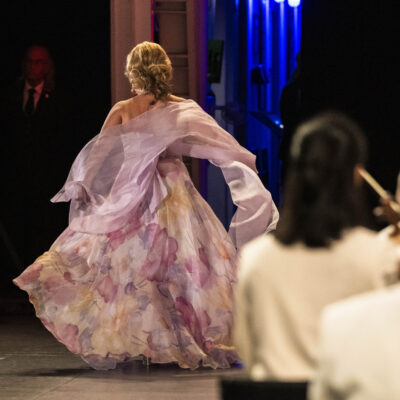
x: 145, y: 268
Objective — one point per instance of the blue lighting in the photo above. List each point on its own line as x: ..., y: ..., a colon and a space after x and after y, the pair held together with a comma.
x: 294, y: 3
x: 279, y: 1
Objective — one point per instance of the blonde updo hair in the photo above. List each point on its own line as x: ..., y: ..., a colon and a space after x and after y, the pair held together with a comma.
x: 149, y: 70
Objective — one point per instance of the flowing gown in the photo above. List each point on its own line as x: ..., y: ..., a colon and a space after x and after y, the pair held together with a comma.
x: 145, y: 268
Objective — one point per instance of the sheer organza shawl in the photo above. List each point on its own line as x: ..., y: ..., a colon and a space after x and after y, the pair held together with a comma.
x: 117, y: 170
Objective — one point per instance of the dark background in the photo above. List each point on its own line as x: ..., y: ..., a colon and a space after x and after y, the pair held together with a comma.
x: 78, y: 37
x: 350, y: 62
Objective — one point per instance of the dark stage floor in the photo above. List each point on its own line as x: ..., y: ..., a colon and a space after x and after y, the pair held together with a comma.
x: 33, y: 366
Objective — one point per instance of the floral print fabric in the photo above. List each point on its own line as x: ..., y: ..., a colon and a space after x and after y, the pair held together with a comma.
x: 160, y: 286
x: 145, y: 268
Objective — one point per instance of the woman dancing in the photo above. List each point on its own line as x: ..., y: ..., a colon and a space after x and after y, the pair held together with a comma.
x: 145, y: 268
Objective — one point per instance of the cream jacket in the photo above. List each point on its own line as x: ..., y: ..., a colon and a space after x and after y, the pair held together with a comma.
x: 359, y: 356
x: 282, y: 290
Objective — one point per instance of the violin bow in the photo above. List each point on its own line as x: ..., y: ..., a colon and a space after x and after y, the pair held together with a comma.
x: 394, y: 205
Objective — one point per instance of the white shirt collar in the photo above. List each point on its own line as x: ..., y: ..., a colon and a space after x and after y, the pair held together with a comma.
x: 38, y: 88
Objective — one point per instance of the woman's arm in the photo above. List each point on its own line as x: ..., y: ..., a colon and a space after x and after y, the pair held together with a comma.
x: 256, y: 212
x: 104, y: 145
x: 80, y: 185
x: 114, y: 117
x: 202, y: 137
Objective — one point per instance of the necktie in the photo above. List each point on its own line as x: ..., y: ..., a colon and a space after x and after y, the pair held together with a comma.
x: 30, y: 103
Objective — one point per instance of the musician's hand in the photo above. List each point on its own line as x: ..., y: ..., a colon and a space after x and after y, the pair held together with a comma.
x: 390, y: 209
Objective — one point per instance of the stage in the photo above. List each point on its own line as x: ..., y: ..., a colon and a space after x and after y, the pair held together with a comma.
x: 33, y: 366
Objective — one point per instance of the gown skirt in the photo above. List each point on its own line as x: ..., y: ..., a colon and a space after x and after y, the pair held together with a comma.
x: 161, y: 286
x: 145, y: 268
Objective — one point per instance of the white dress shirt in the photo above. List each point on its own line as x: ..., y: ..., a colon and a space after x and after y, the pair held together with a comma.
x: 36, y: 95
x: 282, y: 290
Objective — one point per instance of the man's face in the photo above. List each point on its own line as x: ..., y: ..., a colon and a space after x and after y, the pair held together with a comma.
x: 37, y: 65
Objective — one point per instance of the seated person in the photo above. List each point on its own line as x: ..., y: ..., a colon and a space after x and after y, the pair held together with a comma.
x: 359, y: 355
x: 319, y: 254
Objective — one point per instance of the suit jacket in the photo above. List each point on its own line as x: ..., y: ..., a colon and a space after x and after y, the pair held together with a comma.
x: 37, y: 143
x: 359, y: 357
x: 35, y: 158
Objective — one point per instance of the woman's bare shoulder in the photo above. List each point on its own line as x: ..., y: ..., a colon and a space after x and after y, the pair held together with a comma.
x: 118, y: 113
x: 114, y: 116
x: 175, y: 98
x: 120, y: 105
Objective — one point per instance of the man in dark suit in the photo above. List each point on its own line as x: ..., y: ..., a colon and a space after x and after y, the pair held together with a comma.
x: 35, y: 159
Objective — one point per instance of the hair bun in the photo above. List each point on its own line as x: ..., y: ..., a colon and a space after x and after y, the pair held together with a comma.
x: 149, y: 69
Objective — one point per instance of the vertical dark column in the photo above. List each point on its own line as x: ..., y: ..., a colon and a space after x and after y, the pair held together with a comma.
x: 231, y: 49
x: 240, y: 130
